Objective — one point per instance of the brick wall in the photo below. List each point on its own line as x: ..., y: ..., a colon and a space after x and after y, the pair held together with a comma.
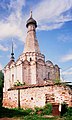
x: 33, y: 96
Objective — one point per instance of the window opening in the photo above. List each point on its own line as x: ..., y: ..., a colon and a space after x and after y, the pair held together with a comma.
x: 48, y: 75
x: 30, y: 59
x: 12, y: 77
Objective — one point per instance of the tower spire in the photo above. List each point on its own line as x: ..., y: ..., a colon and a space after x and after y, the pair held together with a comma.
x: 31, y: 14
x: 31, y: 44
x: 12, y: 53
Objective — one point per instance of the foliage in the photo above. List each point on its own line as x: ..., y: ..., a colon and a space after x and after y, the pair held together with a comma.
x: 18, y: 83
x: 63, y: 108
x: 1, y: 75
x: 66, y: 112
x: 38, y: 110
x: 28, y: 111
x: 57, y: 81
x: 64, y: 84
x: 68, y: 118
x: 1, y: 93
x: 37, y: 117
x: 21, y: 114
x: 69, y: 112
x: 1, y: 79
x: 1, y: 84
x: 1, y: 87
x: 46, y: 110
x: 6, y: 112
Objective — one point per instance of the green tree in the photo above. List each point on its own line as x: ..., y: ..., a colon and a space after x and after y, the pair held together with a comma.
x: 1, y: 87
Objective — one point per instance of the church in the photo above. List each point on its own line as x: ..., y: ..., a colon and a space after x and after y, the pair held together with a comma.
x: 36, y: 77
x: 30, y: 67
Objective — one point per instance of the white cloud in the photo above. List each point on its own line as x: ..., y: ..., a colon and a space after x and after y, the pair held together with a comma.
x: 65, y: 37
x: 8, y: 29
x: 66, y: 58
x: 15, y: 45
x: 50, y: 27
x: 50, y: 13
x: 13, y: 26
x: 3, y: 48
x: 1, y: 66
x: 66, y: 75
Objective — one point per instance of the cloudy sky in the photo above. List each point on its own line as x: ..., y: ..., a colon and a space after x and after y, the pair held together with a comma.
x: 54, y: 31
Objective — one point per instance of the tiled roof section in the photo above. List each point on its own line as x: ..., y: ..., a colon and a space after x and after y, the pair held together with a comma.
x: 36, y: 85
x: 30, y: 86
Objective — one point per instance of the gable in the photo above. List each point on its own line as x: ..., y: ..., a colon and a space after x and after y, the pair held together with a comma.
x: 40, y: 61
x: 26, y: 62
x: 11, y: 63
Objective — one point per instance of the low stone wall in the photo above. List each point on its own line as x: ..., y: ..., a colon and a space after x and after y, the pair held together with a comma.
x: 32, y: 96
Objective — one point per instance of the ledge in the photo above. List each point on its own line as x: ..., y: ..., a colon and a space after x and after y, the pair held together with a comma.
x: 37, y: 85
x: 29, y: 86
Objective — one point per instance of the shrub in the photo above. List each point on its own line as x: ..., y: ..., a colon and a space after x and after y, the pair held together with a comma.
x: 1, y: 87
x: 47, y: 109
x: 28, y: 111
x: 6, y: 112
x: 69, y: 111
x: 18, y: 83
x: 38, y: 110
x: 63, y: 108
x: 57, y: 81
x: 1, y: 97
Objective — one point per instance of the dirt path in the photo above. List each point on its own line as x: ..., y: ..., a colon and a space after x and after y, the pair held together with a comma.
x: 9, y: 118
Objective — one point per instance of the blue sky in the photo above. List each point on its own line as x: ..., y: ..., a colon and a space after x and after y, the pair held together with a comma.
x: 54, y: 31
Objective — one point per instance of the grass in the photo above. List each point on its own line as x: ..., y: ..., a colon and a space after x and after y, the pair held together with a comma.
x: 37, y: 117
x: 20, y: 114
x: 29, y: 114
x: 5, y: 112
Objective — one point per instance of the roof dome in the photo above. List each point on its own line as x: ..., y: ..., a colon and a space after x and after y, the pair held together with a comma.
x: 31, y: 21
x: 49, y: 63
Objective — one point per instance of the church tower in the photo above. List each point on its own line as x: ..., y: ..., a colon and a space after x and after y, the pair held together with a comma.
x: 35, y: 69
x: 30, y: 67
x: 31, y: 44
x: 31, y: 48
x: 32, y: 55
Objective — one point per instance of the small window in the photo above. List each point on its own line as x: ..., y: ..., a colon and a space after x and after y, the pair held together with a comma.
x: 30, y: 59
x: 48, y: 75
x: 12, y: 77
x: 31, y: 98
